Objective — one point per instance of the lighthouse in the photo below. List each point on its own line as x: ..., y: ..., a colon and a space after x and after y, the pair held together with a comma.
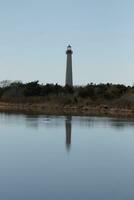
x: 69, y: 74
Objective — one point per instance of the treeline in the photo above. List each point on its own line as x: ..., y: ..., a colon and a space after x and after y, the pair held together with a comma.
x: 19, y: 90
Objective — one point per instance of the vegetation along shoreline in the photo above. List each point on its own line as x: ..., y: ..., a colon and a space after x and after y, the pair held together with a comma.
x: 92, y: 99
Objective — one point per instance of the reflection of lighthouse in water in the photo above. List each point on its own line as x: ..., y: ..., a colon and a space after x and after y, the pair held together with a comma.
x: 68, y: 124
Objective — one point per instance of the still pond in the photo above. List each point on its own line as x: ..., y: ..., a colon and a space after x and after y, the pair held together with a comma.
x: 66, y: 158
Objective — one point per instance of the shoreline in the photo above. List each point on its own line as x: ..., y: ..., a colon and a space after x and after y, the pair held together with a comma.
x: 74, y: 110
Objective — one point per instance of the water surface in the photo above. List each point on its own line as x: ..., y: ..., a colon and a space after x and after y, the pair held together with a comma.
x: 66, y: 158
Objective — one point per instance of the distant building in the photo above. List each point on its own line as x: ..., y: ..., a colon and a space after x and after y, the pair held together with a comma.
x: 69, y: 74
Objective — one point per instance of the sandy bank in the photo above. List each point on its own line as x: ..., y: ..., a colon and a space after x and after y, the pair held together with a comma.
x: 51, y: 109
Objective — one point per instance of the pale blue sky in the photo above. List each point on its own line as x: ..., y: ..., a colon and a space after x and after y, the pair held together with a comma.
x: 34, y: 35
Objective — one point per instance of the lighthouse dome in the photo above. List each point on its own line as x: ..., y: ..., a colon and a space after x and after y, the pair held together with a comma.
x: 69, y: 50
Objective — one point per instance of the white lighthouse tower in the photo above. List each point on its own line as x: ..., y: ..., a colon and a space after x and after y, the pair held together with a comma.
x: 69, y: 74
